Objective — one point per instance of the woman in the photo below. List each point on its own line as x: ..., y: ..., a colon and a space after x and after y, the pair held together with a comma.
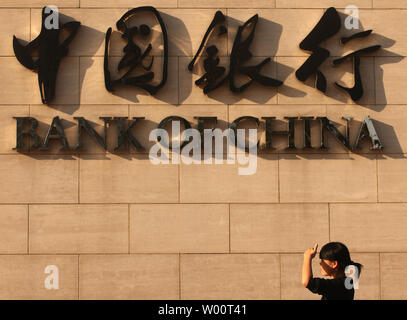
x: 335, y: 258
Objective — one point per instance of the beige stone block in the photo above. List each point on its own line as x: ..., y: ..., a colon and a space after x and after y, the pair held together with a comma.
x: 200, y: 183
x: 392, y: 179
x: 13, y: 22
x: 390, y: 77
x: 291, y: 270
x: 175, y: 228
x: 190, y: 93
x: 13, y: 229
x: 393, y: 283
x: 227, y: 4
x: 277, y: 227
x: 280, y: 142
x: 39, y: 179
x: 8, y: 126
x: 23, y: 277
x: 389, y: 4
x: 324, y: 4
x: 230, y: 276
x: 369, y: 281
x: 93, y: 91
x: 79, y: 229
x: 90, y: 38
x: 328, y: 178
x: 278, y: 31
x: 139, y: 276
x: 126, y: 179
x: 22, y: 86
x: 154, y: 114
x: 294, y: 91
x: 291, y: 273
x: 370, y: 227
x: 127, y: 3
x: 19, y: 85
x: 388, y: 122
x: 66, y: 113
x: 39, y: 3
x: 67, y: 87
x: 392, y: 40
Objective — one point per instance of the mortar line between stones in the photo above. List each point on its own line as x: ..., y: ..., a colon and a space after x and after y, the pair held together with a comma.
x: 30, y: 24
x: 277, y: 89
x: 78, y: 277
x: 128, y: 222
x: 329, y: 222
x: 178, y: 57
x: 374, y: 79
x: 230, y: 242
x: 208, y: 8
x: 79, y: 81
x: 227, y: 34
x: 79, y: 178
x: 179, y: 163
x: 174, y: 253
x: 28, y: 229
x: 278, y: 178
x: 179, y: 181
x: 380, y: 277
x: 179, y: 275
x: 377, y: 179
x: 222, y: 56
x: 195, y: 203
x: 37, y: 153
x: 279, y: 255
x: 79, y: 102
x: 211, y: 104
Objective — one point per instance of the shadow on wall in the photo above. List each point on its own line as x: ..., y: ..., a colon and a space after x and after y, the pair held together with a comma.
x: 91, y: 33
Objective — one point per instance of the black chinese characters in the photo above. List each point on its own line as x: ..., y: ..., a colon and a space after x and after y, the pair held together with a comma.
x: 214, y: 74
x: 134, y: 57
x: 50, y: 51
x: 329, y: 25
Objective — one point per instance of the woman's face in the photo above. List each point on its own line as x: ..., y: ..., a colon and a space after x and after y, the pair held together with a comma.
x: 328, y: 267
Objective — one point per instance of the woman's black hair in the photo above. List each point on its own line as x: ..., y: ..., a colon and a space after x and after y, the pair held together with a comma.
x: 337, y: 251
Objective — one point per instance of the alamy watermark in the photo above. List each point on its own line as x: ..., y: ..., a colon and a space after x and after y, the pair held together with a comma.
x: 51, y: 281
x: 352, y: 279
x: 52, y: 19
x: 352, y: 20
x: 187, y: 147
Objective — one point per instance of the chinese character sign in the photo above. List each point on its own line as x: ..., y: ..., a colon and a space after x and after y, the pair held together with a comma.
x: 214, y: 76
x: 49, y: 49
x: 134, y: 57
x: 135, y: 66
x: 329, y: 25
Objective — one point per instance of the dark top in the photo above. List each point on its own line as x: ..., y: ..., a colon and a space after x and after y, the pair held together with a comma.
x: 331, y: 289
